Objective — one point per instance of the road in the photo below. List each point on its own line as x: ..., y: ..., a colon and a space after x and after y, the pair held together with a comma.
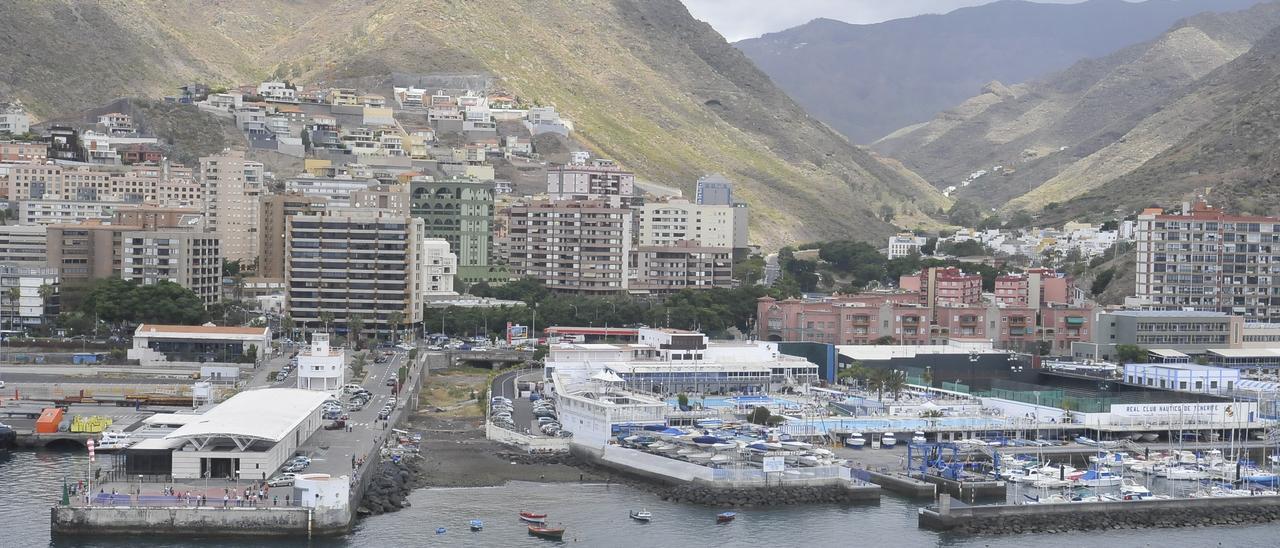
x: 505, y: 385
x: 331, y: 451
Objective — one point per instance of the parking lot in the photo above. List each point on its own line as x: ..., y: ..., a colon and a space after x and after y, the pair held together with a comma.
x: 522, y: 412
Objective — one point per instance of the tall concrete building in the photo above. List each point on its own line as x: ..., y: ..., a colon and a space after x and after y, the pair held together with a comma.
x: 597, y: 181
x: 232, y: 187
x: 666, y: 223
x: 276, y: 210
x: 91, y: 250
x: 459, y: 211
x: 352, y: 262
x: 572, y: 246
x: 684, y: 265
x: 714, y: 189
x: 28, y: 295
x: 187, y: 256
x: 24, y: 245
x: 1204, y: 259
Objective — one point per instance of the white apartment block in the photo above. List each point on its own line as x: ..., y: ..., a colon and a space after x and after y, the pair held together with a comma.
x: 437, y: 267
x: 572, y: 246
x: 905, y: 244
x: 24, y: 245
x: 667, y: 223
x: 14, y: 119
x: 48, y: 212
x: 232, y: 209
x: 36, y: 293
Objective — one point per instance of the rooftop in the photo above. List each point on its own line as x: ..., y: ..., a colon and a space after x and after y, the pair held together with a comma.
x: 1245, y: 352
x: 1169, y: 313
x: 268, y: 414
x: 206, y: 329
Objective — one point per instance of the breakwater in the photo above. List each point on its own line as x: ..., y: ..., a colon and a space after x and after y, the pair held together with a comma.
x: 768, y: 496
x: 1138, y: 514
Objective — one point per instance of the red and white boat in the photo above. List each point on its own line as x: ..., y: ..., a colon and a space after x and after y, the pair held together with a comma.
x: 532, y: 517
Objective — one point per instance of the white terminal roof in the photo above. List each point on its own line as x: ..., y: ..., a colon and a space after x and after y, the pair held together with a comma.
x: 1245, y: 352
x: 206, y: 331
x: 268, y: 414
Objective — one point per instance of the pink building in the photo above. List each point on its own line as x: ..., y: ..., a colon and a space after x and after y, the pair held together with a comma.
x: 941, y: 286
x: 1033, y: 288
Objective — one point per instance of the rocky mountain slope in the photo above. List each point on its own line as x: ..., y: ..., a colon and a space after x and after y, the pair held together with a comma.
x: 643, y: 81
x: 869, y: 80
x: 1079, y: 129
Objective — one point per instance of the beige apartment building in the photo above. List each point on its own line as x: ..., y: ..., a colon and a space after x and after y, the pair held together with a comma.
x: 684, y: 265
x: 169, y: 184
x: 276, y: 210
x: 232, y: 208
x: 186, y: 256
x: 666, y: 223
x: 572, y: 246
x: 24, y: 245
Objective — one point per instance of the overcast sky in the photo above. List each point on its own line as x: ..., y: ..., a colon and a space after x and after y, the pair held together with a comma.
x: 739, y: 19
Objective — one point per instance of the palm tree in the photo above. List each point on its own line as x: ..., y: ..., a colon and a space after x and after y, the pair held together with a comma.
x: 326, y: 318
x: 894, y: 382
x: 853, y: 373
x: 14, y: 296
x: 355, y: 326
x: 395, y: 319
x: 877, y: 380
x: 288, y: 324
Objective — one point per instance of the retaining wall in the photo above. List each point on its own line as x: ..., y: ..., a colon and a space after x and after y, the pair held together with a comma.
x: 209, y: 521
x: 532, y: 443
x: 1026, y: 518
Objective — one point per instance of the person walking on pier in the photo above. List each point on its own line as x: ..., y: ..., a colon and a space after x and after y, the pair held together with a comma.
x: 225, y: 498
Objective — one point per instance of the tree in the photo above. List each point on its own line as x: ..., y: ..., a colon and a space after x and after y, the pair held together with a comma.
x: 251, y: 354
x: 1101, y: 282
x: 325, y: 318
x: 355, y: 327
x: 930, y: 245
x: 854, y: 372
x: 395, y: 320
x: 759, y: 415
x: 927, y: 376
x: 306, y: 139
x: 878, y: 380
x: 887, y: 213
x: 885, y: 339
x: 1131, y: 353
x: 683, y: 400
x: 288, y: 325
x: 964, y: 213
x: 1020, y: 219
x: 894, y: 382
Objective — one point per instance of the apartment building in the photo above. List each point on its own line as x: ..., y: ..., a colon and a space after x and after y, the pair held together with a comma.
x: 597, y: 181
x: 1204, y: 259
x: 348, y: 262
x: 24, y: 245
x: 14, y: 119
x: 92, y: 249
x: 938, y: 286
x: 23, y: 151
x: 392, y: 197
x: 438, y: 267
x: 47, y: 212
x: 276, y: 210
x: 186, y: 256
x: 713, y: 189
x: 28, y: 295
x: 666, y: 223
x: 572, y: 246
x: 232, y: 208
x: 459, y: 211
x: 1188, y: 331
x: 904, y: 244
x: 27, y: 181
x: 141, y: 183
x: 683, y: 265
x: 1033, y: 287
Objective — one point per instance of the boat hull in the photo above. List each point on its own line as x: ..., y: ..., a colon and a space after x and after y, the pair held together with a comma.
x: 550, y: 534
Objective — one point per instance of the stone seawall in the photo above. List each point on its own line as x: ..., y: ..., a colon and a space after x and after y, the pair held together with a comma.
x: 768, y: 496
x: 1055, y: 518
x: 207, y: 521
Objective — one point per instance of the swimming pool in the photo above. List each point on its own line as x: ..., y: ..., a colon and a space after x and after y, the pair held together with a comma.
x: 733, y: 402
x: 892, y: 424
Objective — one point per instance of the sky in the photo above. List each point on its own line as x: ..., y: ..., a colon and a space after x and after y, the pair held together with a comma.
x: 741, y: 19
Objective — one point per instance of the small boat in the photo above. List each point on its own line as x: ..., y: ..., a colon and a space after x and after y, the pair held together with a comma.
x: 1133, y: 490
x: 1150, y: 437
x: 553, y: 533
x: 642, y: 515
x: 532, y: 517
x: 918, y: 437
x: 1099, y: 478
x: 477, y: 525
x: 726, y: 517
x: 888, y: 441
x: 440, y: 530
x: 856, y: 441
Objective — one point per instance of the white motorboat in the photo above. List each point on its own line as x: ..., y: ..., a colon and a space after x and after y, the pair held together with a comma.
x: 1133, y: 489
x: 1150, y: 437
x: 796, y: 445
x: 1051, y: 483
x: 1185, y: 473
x: 1099, y: 478
x: 856, y: 441
x: 887, y: 441
x: 918, y: 437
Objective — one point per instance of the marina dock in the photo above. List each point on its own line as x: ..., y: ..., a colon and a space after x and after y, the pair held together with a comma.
x: 1027, y: 518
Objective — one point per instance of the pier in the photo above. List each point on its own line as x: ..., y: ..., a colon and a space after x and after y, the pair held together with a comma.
x: 344, y: 462
x: 1080, y: 516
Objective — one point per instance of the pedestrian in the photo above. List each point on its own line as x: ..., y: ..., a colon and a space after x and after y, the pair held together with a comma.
x: 225, y: 498
x: 239, y: 501
x: 275, y: 500
x: 286, y: 500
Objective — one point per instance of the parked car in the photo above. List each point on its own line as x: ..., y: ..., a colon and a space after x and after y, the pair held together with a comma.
x: 338, y: 424
x: 282, y: 480
x: 392, y: 381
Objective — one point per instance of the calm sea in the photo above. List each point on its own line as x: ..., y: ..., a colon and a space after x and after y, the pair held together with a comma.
x: 595, y: 515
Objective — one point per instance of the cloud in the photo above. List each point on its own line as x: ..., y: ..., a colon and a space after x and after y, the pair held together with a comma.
x: 740, y: 19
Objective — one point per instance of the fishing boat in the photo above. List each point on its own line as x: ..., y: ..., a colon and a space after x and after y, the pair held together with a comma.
x: 887, y: 441
x: 642, y: 515
x: 532, y: 517
x: 726, y: 517
x: 477, y: 525
x: 553, y: 533
x: 855, y: 441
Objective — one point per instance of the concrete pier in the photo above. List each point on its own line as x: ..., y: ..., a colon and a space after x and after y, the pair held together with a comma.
x: 1027, y: 518
x: 902, y: 484
x: 206, y: 521
x: 967, y: 491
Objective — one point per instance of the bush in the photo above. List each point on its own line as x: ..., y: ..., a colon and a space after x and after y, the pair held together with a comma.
x: 760, y: 415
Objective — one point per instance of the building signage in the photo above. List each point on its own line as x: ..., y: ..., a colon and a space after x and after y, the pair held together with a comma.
x: 774, y: 464
x: 1223, y: 410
